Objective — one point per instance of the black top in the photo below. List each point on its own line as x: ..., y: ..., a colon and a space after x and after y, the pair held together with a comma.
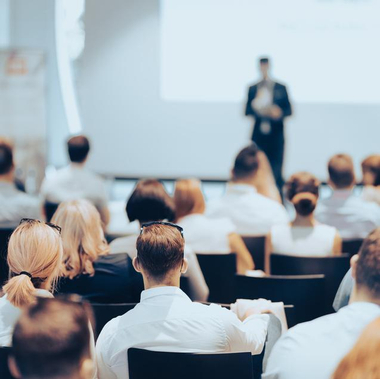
x: 114, y: 281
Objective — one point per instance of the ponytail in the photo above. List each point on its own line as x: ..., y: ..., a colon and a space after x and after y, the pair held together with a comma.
x: 20, y: 290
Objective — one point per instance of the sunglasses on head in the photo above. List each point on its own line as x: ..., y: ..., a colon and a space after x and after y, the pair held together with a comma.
x: 33, y: 220
x: 179, y: 228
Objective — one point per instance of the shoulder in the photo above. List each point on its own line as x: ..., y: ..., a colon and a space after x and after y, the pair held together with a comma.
x: 280, y: 86
x: 123, y: 244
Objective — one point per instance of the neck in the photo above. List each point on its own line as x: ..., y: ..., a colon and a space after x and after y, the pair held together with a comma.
x: 362, y: 295
x: 8, y: 178
x: 304, y: 220
x: 169, y: 281
x: 248, y: 181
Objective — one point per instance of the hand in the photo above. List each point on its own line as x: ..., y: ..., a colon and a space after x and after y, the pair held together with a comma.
x: 255, y: 311
x: 275, y: 112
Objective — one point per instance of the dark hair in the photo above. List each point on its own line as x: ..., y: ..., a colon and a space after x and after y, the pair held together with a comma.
x: 371, y: 170
x: 160, y: 249
x: 78, y: 148
x: 150, y: 202
x: 368, y: 264
x: 51, y: 338
x: 264, y: 60
x: 6, y: 156
x: 246, y: 162
x: 341, y: 170
x: 303, y: 192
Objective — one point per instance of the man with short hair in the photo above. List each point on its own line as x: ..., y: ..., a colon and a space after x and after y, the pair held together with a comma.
x: 75, y: 181
x: 14, y: 204
x: 52, y: 340
x: 313, y: 350
x: 166, y: 319
x: 349, y: 213
x: 250, y: 212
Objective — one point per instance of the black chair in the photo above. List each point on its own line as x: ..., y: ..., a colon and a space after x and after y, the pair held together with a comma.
x: 256, y: 246
x: 219, y: 272
x: 4, y: 370
x: 4, y: 269
x: 352, y: 247
x: 145, y: 364
x: 333, y: 268
x: 305, y: 292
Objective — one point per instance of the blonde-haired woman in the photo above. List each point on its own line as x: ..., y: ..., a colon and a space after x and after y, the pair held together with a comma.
x: 203, y: 234
x: 88, y: 269
x: 35, y: 260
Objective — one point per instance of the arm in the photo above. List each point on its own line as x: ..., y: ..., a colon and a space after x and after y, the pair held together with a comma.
x: 104, y: 370
x: 337, y: 247
x: 244, y: 258
x: 249, y: 111
x: 268, y: 250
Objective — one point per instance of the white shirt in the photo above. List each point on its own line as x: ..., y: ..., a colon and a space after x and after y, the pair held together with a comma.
x: 252, y: 214
x: 349, y: 213
x: 198, y: 287
x: 72, y: 183
x: 15, y: 205
x: 371, y: 193
x: 206, y: 235
x: 297, y: 240
x: 167, y: 320
x: 314, y: 349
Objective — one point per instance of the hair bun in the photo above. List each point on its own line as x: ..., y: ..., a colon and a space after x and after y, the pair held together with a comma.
x: 305, y: 203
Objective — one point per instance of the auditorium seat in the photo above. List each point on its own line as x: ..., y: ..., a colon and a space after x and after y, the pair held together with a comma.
x: 352, y: 247
x: 4, y: 370
x: 333, y: 268
x: 256, y: 246
x: 4, y: 269
x: 305, y: 292
x: 219, y: 272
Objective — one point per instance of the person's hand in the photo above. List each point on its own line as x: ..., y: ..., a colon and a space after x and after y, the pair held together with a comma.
x: 253, y: 311
x: 275, y: 112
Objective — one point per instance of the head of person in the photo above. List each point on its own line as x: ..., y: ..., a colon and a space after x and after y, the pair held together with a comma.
x: 51, y: 340
x: 188, y: 198
x: 341, y: 172
x: 371, y: 170
x: 264, y: 66
x: 35, y: 259
x: 362, y: 361
x: 82, y: 236
x: 246, y: 165
x: 160, y: 254
x: 150, y: 202
x: 303, y: 192
x: 6, y: 158
x: 78, y: 148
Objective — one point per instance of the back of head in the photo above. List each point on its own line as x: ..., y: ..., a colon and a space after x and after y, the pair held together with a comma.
x: 188, y: 198
x: 150, y: 202
x: 303, y: 192
x: 341, y: 171
x: 51, y: 339
x: 371, y: 170
x: 78, y: 148
x: 246, y: 163
x: 6, y: 156
x: 82, y: 236
x: 34, y: 259
x: 160, y: 250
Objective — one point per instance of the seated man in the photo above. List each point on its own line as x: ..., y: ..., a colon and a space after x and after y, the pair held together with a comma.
x: 51, y: 340
x: 166, y: 319
x: 350, y: 214
x: 14, y: 204
x: 313, y: 350
x: 252, y: 213
x: 75, y: 182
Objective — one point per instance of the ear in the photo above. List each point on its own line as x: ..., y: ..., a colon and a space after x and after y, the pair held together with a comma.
x: 185, y: 266
x: 136, y: 264
x: 87, y: 369
x: 13, y: 367
x: 353, y: 262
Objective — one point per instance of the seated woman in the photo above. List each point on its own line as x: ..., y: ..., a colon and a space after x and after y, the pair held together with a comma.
x: 304, y: 236
x: 371, y: 179
x: 34, y: 259
x: 205, y: 235
x: 150, y: 202
x: 88, y: 269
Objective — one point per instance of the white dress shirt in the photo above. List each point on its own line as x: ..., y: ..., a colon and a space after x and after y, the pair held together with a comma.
x: 349, y: 213
x: 314, y: 349
x: 15, y: 205
x: 252, y: 214
x: 167, y: 320
x: 198, y: 287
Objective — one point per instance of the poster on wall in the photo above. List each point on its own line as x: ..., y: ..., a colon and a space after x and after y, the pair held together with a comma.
x: 23, y: 112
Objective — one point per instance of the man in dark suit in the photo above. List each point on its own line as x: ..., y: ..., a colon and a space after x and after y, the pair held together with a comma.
x: 269, y: 104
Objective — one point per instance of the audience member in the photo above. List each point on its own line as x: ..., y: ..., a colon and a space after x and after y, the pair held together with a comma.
x: 203, y: 234
x: 88, y: 268
x: 362, y: 362
x: 350, y: 214
x: 313, y: 350
x: 371, y: 179
x: 52, y: 340
x: 150, y: 202
x: 34, y: 258
x: 166, y: 319
x: 75, y: 181
x: 14, y: 204
x: 251, y: 212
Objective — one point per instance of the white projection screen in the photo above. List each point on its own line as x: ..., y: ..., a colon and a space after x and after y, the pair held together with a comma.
x: 162, y: 85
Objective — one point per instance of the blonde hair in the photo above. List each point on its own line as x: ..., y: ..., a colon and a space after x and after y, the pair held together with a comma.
x: 188, y: 198
x: 82, y: 236
x: 34, y: 248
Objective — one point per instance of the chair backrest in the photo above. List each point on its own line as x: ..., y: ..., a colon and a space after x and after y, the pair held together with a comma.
x: 219, y: 273
x: 306, y: 293
x: 4, y: 370
x: 4, y: 269
x: 333, y: 268
x: 352, y: 247
x: 256, y: 246
x: 145, y: 364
